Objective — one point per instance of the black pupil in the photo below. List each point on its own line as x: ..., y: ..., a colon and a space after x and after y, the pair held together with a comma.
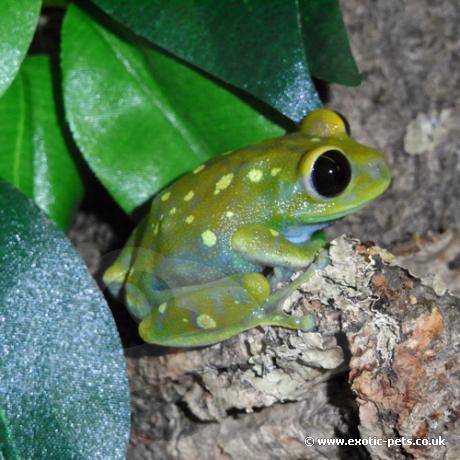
x: 331, y: 173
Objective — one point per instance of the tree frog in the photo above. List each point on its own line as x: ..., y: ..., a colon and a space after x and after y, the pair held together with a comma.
x: 194, y: 272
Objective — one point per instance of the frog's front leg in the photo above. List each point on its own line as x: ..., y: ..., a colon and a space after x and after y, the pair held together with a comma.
x: 267, y: 247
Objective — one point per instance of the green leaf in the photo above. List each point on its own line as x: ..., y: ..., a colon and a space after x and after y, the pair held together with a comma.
x: 140, y: 118
x: 253, y: 44
x: 18, y: 21
x: 63, y: 385
x: 34, y: 155
x: 326, y: 42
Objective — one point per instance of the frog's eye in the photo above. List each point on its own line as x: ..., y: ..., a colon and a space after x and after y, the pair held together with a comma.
x: 330, y: 174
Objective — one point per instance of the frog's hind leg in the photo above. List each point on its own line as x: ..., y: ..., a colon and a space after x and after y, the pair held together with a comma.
x: 273, y: 313
x: 205, y: 314
x: 121, y: 277
x: 115, y: 276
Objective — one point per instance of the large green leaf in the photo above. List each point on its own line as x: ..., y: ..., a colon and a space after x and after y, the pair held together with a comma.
x: 18, y: 20
x: 140, y: 118
x: 33, y: 153
x: 326, y: 43
x: 255, y: 45
x: 63, y: 385
x: 266, y: 48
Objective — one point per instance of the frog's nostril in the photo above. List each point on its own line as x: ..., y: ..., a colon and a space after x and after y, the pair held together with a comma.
x: 378, y: 170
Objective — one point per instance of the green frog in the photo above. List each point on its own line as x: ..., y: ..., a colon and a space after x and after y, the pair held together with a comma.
x: 196, y: 269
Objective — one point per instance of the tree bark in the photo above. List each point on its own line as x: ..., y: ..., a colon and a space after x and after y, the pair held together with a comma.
x: 384, y: 363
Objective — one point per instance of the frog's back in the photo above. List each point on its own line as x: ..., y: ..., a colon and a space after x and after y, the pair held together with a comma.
x: 194, y: 218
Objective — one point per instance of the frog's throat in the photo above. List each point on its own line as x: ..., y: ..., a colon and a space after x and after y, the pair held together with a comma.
x: 302, y: 233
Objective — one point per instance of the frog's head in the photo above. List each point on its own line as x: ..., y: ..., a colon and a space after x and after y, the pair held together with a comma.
x: 336, y: 174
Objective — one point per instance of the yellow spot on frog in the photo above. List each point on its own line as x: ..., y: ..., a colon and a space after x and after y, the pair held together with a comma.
x: 197, y: 170
x: 274, y: 232
x: 205, y: 322
x: 162, y: 307
x: 189, y: 196
x: 255, y: 175
x: 275, y: 171
x: 156, y: 229
x: 209, y: 238
x: 173, y: 211
x: 223, y: 183
x: 229, y: 214
x: 165, y: 196
x: 189, y: 219
x: 185, y: 320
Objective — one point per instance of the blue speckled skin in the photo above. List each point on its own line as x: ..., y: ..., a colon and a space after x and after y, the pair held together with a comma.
x: 192, y: 269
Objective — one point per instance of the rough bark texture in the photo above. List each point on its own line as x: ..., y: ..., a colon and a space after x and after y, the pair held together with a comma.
x: 261, y: 393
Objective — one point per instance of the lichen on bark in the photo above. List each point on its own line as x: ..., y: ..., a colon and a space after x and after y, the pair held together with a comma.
x: 384, y: 363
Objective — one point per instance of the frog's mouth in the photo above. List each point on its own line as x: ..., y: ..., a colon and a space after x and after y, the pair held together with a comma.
x: 330, y: 218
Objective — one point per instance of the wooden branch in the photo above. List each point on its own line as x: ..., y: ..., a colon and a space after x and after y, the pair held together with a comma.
x: 384, y: 363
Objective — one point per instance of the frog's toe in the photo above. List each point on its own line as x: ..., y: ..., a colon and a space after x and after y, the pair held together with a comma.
x: 114, y: 278
x: 136, y: 302
x: 305, y: 323
x: 256, y: 287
